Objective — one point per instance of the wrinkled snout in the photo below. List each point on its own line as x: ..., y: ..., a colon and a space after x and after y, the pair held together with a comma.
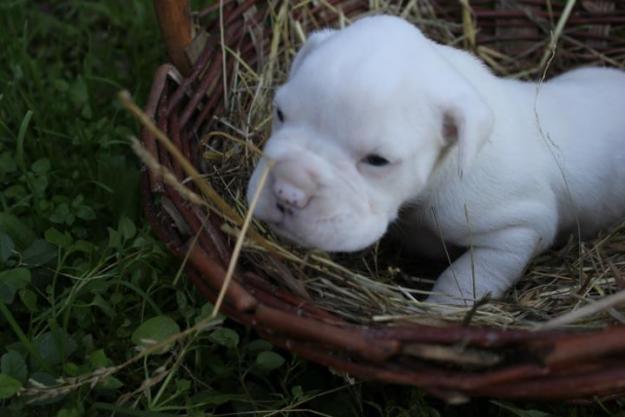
x: 308, y: 201
x: 292, y: 186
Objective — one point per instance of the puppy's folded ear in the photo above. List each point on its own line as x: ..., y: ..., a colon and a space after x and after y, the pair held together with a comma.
x: 314, y: 40
x: 467, y: 121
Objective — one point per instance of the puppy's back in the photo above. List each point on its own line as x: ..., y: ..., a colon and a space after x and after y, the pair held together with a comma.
x: 581, y: 113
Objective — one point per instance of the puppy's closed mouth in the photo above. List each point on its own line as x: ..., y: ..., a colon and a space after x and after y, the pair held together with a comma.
x: 281, y: 230
x: 301, y: 236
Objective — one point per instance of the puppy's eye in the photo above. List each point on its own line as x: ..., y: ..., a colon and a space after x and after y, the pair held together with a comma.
x: 280, y: 114
x: 375, y: 160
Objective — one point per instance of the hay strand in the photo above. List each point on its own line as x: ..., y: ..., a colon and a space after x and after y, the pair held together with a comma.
x: 239, y: 243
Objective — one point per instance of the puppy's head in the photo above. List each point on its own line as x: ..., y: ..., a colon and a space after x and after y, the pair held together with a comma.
x: 358, y: 129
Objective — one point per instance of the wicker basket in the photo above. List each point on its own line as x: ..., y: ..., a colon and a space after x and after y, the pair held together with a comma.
x: 453, y: 362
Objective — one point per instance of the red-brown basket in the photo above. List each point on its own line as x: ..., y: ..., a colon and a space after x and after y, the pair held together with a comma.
x: 540, y: 365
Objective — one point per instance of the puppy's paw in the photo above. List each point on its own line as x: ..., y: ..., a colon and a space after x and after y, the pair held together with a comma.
x: 455, y: 308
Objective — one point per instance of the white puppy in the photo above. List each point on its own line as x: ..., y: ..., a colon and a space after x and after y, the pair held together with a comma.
x: 377, y: 122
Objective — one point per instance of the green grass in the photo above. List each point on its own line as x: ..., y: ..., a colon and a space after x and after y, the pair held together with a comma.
x: 83, y: 281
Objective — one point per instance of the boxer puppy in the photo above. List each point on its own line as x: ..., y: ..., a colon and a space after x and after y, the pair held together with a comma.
x: 379, y: 125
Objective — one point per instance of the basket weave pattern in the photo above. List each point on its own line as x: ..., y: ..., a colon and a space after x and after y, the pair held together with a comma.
x: 453, y: 362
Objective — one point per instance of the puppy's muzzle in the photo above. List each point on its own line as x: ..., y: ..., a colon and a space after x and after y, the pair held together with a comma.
x: 292, y: 187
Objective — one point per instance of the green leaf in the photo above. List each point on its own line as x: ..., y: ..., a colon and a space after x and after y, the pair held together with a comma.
x: 120, y: 176
x: 104, y: 306
x: 72, y: 369
x: 183, y: 385
x: 155, y: 330
x: 225, y: 337
x: 61, y: 85
x: 110, y: 383
x: 98, y: 359
x: 70, y: 412
x: 268, y: 361
x: 29, y: 299
x: 6, y: 246
x: 55, y: 346
x: 39, y: 185
x: 16, y: 192
x: 84, y: 247
x: 77, y: 201
x: 78, y: 92
x: 258, y: 345
x: 7, y: 162
x: 127, y: 228
x: 44, y: 378
x: 297, y: 392
x: 205, y: 312
x: 85, y: 213
x: 41, y: 166
x: 62, y: 214
x: 21, y: 135
x: 181, y: 300
x: 86, y: 342
x: 39, y: 253
x: 11, y: 281
x: 57, y: 238
x: 14, y: 365
x: 115, y: 239
x: 9, y: 386
x: 21, y: 234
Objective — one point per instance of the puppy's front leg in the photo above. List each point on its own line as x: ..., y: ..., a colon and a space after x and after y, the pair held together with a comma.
x: 491, y: 265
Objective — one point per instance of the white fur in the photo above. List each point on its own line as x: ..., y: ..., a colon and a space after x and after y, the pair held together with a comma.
x: 498, y: 167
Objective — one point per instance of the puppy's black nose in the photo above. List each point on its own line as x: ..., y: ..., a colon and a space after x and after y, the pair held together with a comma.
x: 280, y: 207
